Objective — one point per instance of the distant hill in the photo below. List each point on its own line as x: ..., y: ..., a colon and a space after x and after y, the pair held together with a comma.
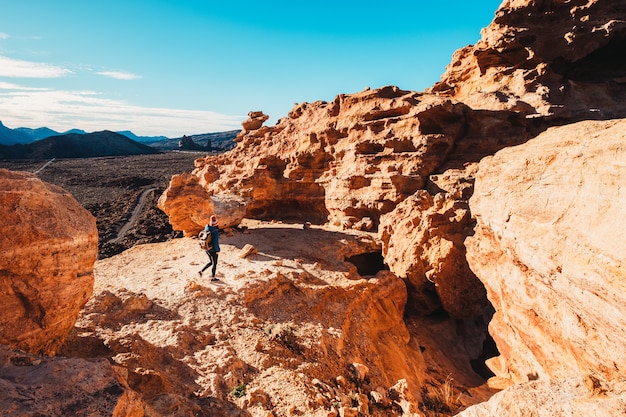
x: 142, y: 139
x: 75, y: 145
x: 37, y: 134
x: 219, y: 141
x: 9, y: 136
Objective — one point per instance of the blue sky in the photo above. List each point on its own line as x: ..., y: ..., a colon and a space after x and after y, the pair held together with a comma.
x: 179, y: 67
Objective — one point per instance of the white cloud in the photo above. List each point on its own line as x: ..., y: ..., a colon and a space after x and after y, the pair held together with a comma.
x: 17, y: 68
x: 4, y: 35
x: 119, y: 75
x: 11, y: 86
x: 63, y: 110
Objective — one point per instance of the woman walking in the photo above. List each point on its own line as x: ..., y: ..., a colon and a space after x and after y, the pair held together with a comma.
x: 214, y: 250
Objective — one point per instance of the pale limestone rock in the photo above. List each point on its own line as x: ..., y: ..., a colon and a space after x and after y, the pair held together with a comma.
x: 48, y: 247
x: 575, y: 396
x: 549, y: 216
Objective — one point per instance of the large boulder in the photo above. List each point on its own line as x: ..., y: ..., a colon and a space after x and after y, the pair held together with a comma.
x: 48, y: 247
x: 189, y: 206
x: 548, y: 247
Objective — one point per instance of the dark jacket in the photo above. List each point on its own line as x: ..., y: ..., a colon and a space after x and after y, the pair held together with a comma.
x: 215, y: 237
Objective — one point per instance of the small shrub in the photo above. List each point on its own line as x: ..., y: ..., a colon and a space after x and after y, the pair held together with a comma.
x: 239, y: 390
x: 285, y: 335
x: 440, y: 399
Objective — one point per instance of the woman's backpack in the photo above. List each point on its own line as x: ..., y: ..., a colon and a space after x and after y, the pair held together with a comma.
x: 206, y: 242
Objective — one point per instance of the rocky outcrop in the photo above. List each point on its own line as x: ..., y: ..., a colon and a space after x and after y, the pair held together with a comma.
x: 548, y: 214
x: 293, y: 329
x: 350, y: 162
x: 48, y: 248
x: 341, y: 162
x: 189, y: 206
x: 423, y: 243
x: 187, y: 143
x: 562, y: 59
x: 44, y: 386
x: 585, y: 395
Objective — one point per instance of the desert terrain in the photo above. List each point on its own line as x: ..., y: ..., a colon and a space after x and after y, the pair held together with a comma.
x: 111, y: 187
x: 456, y: 251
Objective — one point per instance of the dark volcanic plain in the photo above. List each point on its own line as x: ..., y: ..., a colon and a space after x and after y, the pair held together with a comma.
x: 111, y: 187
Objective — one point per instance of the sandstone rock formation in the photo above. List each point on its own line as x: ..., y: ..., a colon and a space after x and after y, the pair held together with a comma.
x: 48, y: 247
x: 563, y: 59
x: 46, y: 386
x: 291, y: 330
x: 351, y: 161
x: 545, y: 246
x: 423, y: 242
x: 343, y: 161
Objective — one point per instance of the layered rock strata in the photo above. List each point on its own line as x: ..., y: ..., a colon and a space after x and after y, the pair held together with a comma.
x: 48, y: 247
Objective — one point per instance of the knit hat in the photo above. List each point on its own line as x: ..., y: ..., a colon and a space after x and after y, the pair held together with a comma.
x: 213, y: 220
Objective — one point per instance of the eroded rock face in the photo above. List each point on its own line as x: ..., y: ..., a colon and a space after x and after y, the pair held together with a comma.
x: 423, y: 243
x: 550, y: 58
x: 343, y: 161
x: 33, y: 385
x: 48, y: 247
x: 351, y: 161
x: 546, y: 247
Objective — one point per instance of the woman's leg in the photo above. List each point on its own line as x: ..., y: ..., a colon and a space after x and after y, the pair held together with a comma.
x: 209, y: 263
x: 214, y: 256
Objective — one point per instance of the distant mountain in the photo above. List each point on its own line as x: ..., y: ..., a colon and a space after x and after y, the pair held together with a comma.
x: 218, y: 141
x: 75, y: 145
x: 78, y: 131
x: 142, y: 139
x: 9, y: 136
